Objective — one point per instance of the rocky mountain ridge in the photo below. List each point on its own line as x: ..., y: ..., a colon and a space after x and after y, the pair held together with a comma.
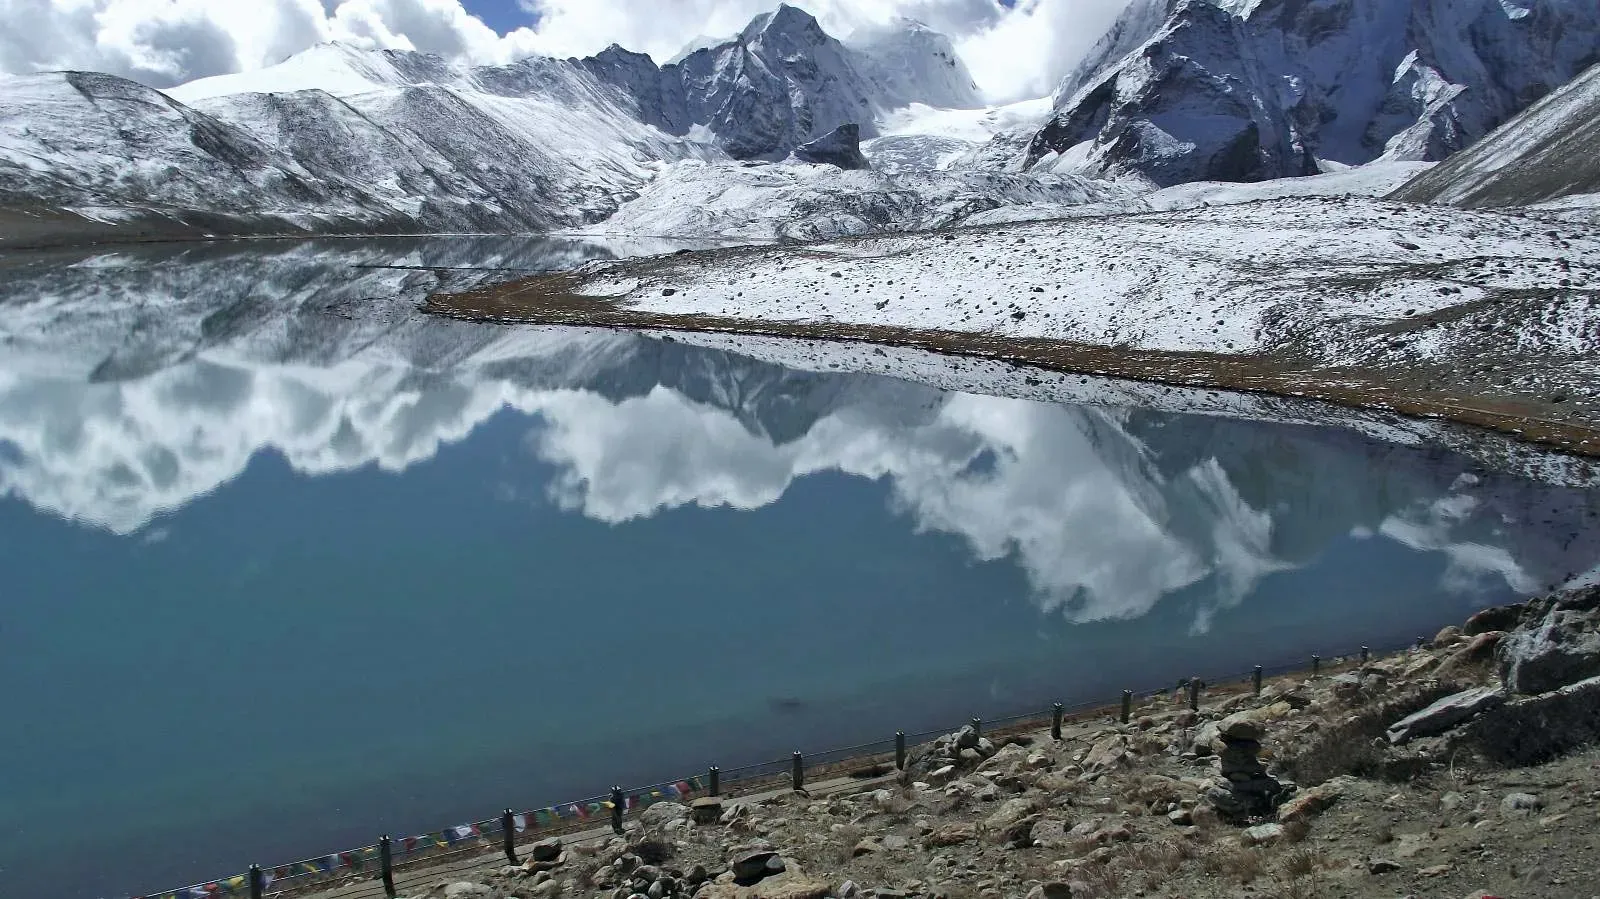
x: 338, y: 139
x: 1243, y: 90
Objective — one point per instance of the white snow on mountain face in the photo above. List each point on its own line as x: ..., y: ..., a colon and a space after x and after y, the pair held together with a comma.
x: 380, y: 140
x: 1185, y: 90
x: 804, y: 202
x: 1546, y: 153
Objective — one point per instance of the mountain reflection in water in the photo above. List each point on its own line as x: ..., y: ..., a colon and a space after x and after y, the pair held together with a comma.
x: 273, y: 443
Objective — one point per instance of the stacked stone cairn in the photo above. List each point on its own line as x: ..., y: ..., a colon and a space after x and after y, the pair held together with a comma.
x: 1245, y: 790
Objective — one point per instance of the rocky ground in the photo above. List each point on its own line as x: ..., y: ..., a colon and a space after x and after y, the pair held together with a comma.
x: 1463, y: 768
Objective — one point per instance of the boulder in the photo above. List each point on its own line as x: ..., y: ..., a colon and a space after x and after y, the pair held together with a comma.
x: 1052, y: 890
x: 546, y: 850
x: 1556, y: 642
x: 754, y: 866
x: 1448, y: 636
x: 1241, y: 726
x: 1498, y: 618
x: 662, y: 812
x: 1110, y: 752
x: 790, y: 885
x: 1445, y: 714
x: 706, y: 810
x: 1520, y: 805
x: 1262, y: 835
x: 1010, y: 812
x: 1535, y: 729
x: 1315, y: 800
x: 466, y: 890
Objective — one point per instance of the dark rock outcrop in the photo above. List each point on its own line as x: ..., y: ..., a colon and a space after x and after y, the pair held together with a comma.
x: 840, y: 147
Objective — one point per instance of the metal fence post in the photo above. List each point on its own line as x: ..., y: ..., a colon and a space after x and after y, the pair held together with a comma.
x: 1255, y: 680
x: 508, y: 829
x: 900, y: 750
x: 1194, y: 694
x: 1316, y: 664
x: 1056, y: 713
x: 799, y: 771
x: 714, y: 774
x: 386, y: 865
x: 619, y: 805
x: 1366, y: 654
x: 1127, y: 705
x: 258, y: 883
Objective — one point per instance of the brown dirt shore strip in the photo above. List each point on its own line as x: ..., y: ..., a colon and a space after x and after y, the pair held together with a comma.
x: 549, y: 300
x: 854, y: 774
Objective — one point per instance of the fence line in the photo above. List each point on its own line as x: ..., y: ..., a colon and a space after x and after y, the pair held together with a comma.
x: 386, y: 866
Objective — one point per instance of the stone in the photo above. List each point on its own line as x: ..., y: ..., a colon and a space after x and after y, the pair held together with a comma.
x: 1241, y: 726
x: 546, y: 850
x: 1382, y: 866
x: 867, y: 846
x: 1053, y: 890
x: 942, y: 775
x: 1434, y: 871
x: 697, y: 875
x: 465, y: 890
x: 967, y: 738
x: 1314, y: 801
x: 1010, y: 812
x: 847, y: 890
x: 1262, y: 834
x: 1535, y: 729
x: 1109, y: 753
x: 1348, y: 687
x: 893, y: 842
x: 546, y: 890
x: 1182, y: 817
x: 662, y: 812
x: 754, y: 866
x: 789, y: 885
x: 706, y: 810
x: 1447, y: 636
x: 1445, y: 714
x: 1555, y: 643
x: 1520, y: 805
x: 1498, y: 618
x: 951, y: 835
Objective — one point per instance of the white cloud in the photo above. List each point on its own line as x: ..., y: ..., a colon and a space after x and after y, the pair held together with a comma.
x: 1014, y: 53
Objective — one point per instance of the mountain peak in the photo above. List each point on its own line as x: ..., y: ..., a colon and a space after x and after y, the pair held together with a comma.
x: 786, y: 20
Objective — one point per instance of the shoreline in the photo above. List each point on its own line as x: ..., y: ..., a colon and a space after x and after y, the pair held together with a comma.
x: 1422, y: 771
x: 851, y: 773
x: 549, y: 300
x: 1489, y: 319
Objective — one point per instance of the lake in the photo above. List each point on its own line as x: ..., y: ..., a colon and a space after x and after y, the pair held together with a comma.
x: 287, y: 565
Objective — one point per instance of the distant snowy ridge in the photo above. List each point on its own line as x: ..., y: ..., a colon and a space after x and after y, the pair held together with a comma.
x: 339, y: 139
x: 1548, y: 152
x: 1247, y: 90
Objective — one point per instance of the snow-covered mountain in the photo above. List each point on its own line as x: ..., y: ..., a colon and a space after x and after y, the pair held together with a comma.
x: 1244, y: 90
x: 1546, y: 153
x: 336, y: 138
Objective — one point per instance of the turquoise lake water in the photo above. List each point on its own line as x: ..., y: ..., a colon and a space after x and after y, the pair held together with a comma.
x: 286, y: 565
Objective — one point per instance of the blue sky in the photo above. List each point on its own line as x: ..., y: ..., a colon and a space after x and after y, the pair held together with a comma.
x: 501, y: 15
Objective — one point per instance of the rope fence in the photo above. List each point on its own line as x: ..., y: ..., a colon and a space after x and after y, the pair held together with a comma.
x: 391, y: 865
